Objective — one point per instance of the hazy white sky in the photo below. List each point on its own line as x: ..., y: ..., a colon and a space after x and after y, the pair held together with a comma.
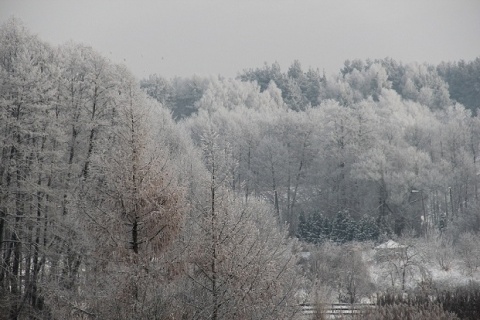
x: 181, y: 37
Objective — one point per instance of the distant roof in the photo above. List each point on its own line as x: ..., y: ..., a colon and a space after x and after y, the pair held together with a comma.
x: 390, y: 244
x: 305, y: 255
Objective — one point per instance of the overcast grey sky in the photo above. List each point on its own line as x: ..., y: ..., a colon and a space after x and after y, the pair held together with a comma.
x: 226, y: 36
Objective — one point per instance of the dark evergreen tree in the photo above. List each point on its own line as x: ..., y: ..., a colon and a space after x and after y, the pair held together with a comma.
x: 303, y: 231
x: 367, y: 229
x: 342, y: 229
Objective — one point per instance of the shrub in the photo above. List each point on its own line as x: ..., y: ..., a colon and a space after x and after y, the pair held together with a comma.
x: 424, y: 311
x: 463, y: 301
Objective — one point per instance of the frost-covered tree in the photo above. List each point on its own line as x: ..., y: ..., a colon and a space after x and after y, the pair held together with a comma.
x: 342, y: 269
x: 29, y: 147
x: 241, y: 262
x: 136, y: 208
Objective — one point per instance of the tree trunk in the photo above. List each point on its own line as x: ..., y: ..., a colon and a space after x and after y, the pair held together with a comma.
x: 214, y: 247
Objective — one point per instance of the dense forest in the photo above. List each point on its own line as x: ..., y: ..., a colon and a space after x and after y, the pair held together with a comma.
x: 381, y: 148
x: 197, y: 198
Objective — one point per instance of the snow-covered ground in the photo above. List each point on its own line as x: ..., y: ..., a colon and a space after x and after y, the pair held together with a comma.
x: 401, y: 266
x: 422, y: 266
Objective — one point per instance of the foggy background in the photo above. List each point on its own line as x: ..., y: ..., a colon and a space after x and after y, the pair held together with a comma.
x: 224, y: 37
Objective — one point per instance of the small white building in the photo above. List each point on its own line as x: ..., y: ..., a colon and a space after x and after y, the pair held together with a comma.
x: 389, y: 250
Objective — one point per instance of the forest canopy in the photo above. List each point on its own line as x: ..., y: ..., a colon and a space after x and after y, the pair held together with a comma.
x: 369, y: 144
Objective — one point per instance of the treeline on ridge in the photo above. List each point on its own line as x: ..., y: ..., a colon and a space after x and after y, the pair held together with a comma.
x: 380, y: 140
